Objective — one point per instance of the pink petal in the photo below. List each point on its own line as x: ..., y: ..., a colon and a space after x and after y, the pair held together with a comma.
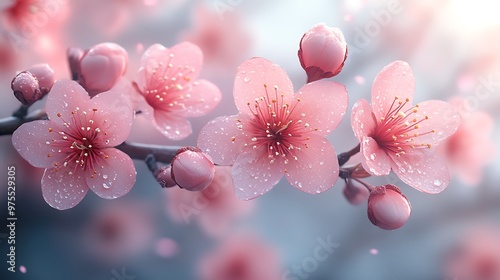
x: 201, y: 99
x: 115, y: 107
x: 362, y: 119
x: 172, y: 126
x: 115, y: 177
x: 63, y: 190
x: 316, y: 169
x: 215, y: 139
x: 64, y: 97
x: 395, y: 80
x: 30, y: 140
x: 254, y: 175
x: 324, y: 103
x: 187, y: 55
x: 251, y: 77
x: 442, y: 117
x: 375, y: 160
x: 422, y: 170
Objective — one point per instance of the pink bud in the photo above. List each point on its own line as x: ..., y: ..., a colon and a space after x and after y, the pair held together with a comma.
x: 322, y: 52
x: 45, y: 76
x: 355, y: 193
x: 192, y: 169
x: 164, y: 177
x: 26, y: 88
x: 388, y: 208
x: 101, y: 67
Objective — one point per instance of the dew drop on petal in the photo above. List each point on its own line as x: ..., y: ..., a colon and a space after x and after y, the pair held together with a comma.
x: 372, y: 156
x: 105, y: 176
x: 438, y: 183
x: 105, y: 185
x: 246, y: 79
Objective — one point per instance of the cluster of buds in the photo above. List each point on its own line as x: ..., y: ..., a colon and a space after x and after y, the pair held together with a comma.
x: 33, y: 84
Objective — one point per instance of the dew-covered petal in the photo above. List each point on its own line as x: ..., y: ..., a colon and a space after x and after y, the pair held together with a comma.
x: 322, y: 105
x: 395, y: 80
x: 216, y: 139
x: 200, y: 99
x: 422, y: 170
x: 114, y: 112
x: 250, y: 79
x: 438, y: 116
x: 172, y: 126
x: 375, y: 159
x: 187, y: 57
x: 362, y: 119
x: 115, y: 175
x: 65, y: 97
x: 254, y: 175
x: 63, y: 190
x: 316, y: 168
x: 33, y: 141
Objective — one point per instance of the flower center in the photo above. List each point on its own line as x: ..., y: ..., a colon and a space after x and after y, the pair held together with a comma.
x: 399, y: 130
x: 276, y: 125
x: 81, y: 141
x: 162, y: 83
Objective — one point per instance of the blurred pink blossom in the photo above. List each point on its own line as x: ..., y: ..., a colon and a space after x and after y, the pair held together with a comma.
x: 396, y: 135
x: 223, y: 41
x: 471, y: 148
x: 118, y: 231
x: 242, y: 257
x: 215, y: 208
x: 477, y: 256
x: 170, y: 92
x: 277, y: 132
x: 75, y: 146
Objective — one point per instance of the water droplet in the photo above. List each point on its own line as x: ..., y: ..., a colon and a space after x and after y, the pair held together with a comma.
x: 246, y: 79
x: 105, y: 185
x: 105, y: 176
x: 438, y: 183
x: 372, y: 156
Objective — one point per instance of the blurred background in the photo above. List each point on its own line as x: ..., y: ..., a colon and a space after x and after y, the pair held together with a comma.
x: 153, y: 233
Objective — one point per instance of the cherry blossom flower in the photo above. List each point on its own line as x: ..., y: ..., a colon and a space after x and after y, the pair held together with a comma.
x: 277, y: 132
x: 396, y: 135
x: 471, y: 148
x: 167, y: 82
x: 214, y: 208
x: 75, y: 145
x: 242, y: 257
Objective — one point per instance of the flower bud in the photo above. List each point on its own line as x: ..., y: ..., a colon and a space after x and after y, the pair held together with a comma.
x: 101, y: 67
x: 388, y: 208
x: 26, y: 88
x: 355, y: 193
x: 45, y: 76
x: 192, y: 169
x: 322, y: 52
x: 164, y: 177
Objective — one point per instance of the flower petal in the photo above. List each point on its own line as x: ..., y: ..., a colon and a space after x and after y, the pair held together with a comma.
x: 423, y: 170
x: 172, y: 126
x: 115, y: 107
x: 395, y: 80
x: 442, y: 118
x: 31, y: 139
x: 375, y: 160
x: 64, y: 97
x: 362, y: 119
x: 316, y: 169
x: 63, y: 190
x: 251, y: 77
x: 189, y: 56
x: 215, y: 139
x: 202, y: 98
x: 254, y: 175
x: 115, y: 177
x: 324, y: 103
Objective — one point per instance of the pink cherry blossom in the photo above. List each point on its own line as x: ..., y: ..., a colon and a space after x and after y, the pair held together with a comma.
x: 277, y: 132
x: 242, y: 257
x: 169, y: 89
x: 214, y: 208
x: 75, y: 145
x: 396, y: 135
x: 471, y: 148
